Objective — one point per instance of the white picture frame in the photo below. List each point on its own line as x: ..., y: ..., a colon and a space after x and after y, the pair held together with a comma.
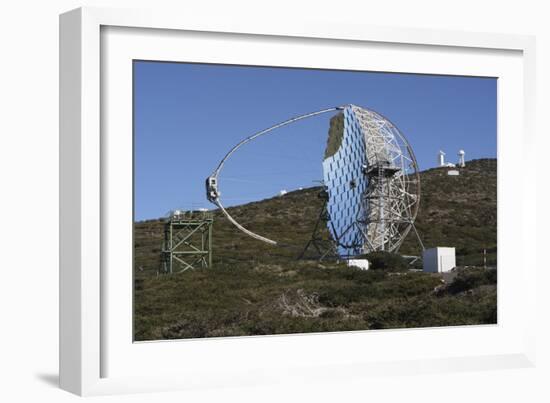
x: 96, y: 354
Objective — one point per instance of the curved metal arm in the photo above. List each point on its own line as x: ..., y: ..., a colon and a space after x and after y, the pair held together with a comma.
x: 212, y: 191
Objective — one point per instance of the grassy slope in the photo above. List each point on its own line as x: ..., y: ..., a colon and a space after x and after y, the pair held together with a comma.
x: 459, y: 211
x: 254, y: 288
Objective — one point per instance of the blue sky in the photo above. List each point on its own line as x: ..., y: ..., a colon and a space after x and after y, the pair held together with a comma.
x: 187, y: 116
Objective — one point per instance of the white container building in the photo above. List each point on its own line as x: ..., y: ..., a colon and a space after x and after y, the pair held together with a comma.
x: 362, y: 264
x: 439, y: 259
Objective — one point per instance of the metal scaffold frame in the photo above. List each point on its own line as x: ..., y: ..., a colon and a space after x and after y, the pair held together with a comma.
x: 391, y: 202
x: 371, y: 207
x: 187, y: 241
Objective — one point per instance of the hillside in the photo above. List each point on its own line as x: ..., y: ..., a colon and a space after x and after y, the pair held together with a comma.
x: 255, y: 288
x: 459, y: 211
x: 455, y: 211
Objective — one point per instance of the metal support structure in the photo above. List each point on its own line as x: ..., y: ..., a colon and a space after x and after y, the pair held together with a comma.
x: 323, y: 245
x: 372, y: 178
x: 187, y: 241
x: 391, y: 201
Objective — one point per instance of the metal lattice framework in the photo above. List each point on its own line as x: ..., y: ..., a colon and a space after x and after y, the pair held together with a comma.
x: 187, y: 241
x: 321, y: 245
x: 371, y: 176
x: 373, y: 184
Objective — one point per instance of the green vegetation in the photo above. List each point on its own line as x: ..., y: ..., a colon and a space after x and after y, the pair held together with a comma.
x: 304, y: 297
x: 459, y: 211
x: 254, y: 288
x: 387, y: 261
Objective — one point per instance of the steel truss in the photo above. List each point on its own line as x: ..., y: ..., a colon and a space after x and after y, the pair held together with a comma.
x: 391, y: 201
x: 187, y: 241
x: 388, y: 206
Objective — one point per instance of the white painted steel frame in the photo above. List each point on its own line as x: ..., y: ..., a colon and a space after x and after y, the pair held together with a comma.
x: 377, y: 212
x: 80, y: 185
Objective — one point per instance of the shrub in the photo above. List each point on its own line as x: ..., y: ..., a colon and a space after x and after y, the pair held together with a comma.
x: 468, y: 279
x: 342, y: 296
x: 386, y: 261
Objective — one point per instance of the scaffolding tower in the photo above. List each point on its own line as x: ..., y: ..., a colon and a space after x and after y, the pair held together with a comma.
x: 187, y: 241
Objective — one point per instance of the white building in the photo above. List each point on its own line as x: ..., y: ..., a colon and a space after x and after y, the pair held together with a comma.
x: 438, y: 259
x: 441, y: 160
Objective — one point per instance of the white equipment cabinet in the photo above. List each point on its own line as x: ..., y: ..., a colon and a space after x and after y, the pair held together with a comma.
x: 362, y: 264
x: 438, y: 259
